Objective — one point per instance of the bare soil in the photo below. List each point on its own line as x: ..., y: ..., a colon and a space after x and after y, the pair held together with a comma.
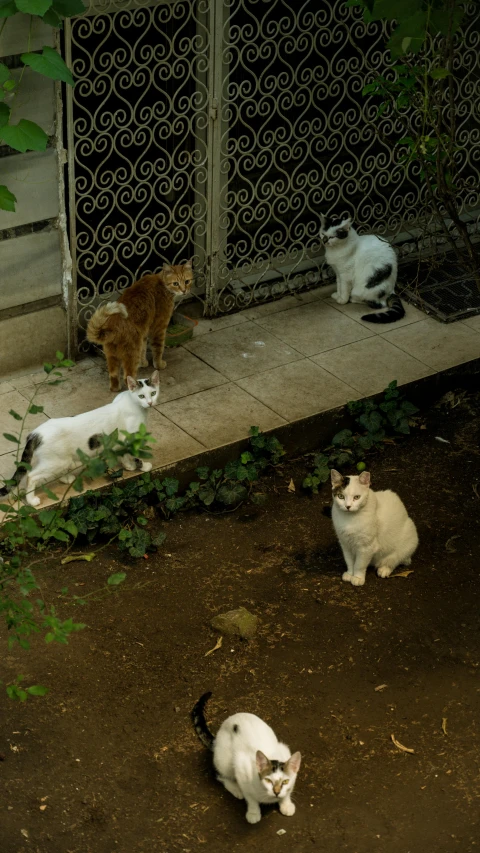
x: 108, y: 761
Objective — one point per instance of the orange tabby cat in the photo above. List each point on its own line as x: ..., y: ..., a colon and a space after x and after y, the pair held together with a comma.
x: 142, y: 312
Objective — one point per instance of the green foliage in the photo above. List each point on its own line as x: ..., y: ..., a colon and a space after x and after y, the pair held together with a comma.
x: 378, y: 423
x: 49, y: 62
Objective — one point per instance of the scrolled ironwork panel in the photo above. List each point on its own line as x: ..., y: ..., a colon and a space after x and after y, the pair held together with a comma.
x: 138, y: 131
x: 297, y: 137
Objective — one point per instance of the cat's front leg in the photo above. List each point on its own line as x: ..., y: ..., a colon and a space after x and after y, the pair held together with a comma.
x: 253, y: 814
x: 342, y: 293
x: 231, y: 786
x: 287, y: 807
x: 348, y: 557
x: 362, y: 562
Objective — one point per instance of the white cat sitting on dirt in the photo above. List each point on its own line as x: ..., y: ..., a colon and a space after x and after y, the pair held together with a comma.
x: 365, y: 268
x: 373, y: 528
x: 250, y: 762
x: 51, y: 449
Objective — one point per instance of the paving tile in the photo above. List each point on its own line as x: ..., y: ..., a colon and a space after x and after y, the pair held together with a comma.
x: 186, y: 374
x: 298, y: 390
x: 171, y: 442
x: 440, y: 345
x: 14, y: 400
x: 355, y: 310
x: 473, y: 323
x: 220, y: 415
x: 369, y: 366
x: 242, y: 350
x: 6, y: 386
x: 214, y: 325
x: 313, y: 328
x: 7, y: 465
x: 80, y: 392
x: 293, y: 300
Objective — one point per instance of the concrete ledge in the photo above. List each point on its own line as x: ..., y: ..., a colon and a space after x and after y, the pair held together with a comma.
x: 30, y: 339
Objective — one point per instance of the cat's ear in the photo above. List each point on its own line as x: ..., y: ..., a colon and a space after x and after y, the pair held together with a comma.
x: 364, y: 478
x: 322, y: 221
x: 293, y: 763
x: 131, y: 384
x: 189, y: 263
x: 167, y: 267
x: 347, y: 223
x: 336, y: 477
x: 155, y: 378
x: 262, y: 761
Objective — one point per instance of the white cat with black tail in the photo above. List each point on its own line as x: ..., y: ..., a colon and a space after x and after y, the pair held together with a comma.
x: 51, y: 449
x: 365, y: 268
x: 373, y: 528
x: 250, y: 762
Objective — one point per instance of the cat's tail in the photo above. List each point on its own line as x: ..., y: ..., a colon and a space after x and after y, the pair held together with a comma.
x: 394, y: 312
x: 98, y: 330
x: 33, y: 441
x: 200, y: 723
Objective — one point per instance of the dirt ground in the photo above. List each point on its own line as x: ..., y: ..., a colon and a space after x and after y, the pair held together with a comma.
x: 108, y: 761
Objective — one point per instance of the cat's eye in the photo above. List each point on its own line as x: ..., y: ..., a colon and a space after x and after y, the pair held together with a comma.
x: 356, y: 497
x: 285, y: 782
x: 152, y: 394
x: 142, y: 396
x: 341, y: 497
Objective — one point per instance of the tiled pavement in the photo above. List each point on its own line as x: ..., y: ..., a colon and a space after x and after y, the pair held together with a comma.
x: 267, y: 366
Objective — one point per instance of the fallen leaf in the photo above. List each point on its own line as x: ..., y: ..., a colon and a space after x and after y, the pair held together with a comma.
x: 73, y: 557
x: 380, y: 687
x: 42, y: 808
x: 281, y: 831
x: 400, y: 745
x: 291, y: 486
x: 448, y: 544
x: 444, y: 725
x: 404, y: 574
x: 218, y: 645
x: 24, y: 833
x: 474, y: 487
x: 442, y: 440
x: 42, y: 799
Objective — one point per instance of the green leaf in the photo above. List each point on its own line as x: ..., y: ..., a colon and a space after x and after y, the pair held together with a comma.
x: 34, y: 410
x: 24, y: 136
x: 142, y: 520
x: 395, y: 10
x: 33, y: 7
x: 10, y: 437
x: 231, y: 493
x: 15, y: 415
x: 442, y: 21
x: 203, y: 473
x: 4, y: 114
x: 439, y: 73
x: 7, y: 199
x: 7, y: 8
x: 50, y: 64
x: 118, y: 578
x: 51, y: 18
x: 409, y: 35
x: 4, y: 73
x: 37, y: 690
x: 68, y: 8
x: 159, y: 539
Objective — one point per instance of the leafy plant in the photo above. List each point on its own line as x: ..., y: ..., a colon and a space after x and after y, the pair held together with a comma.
x: 28, y: 135
x: 378, y: 422
x: 419, y: 93
x: 26, y: 532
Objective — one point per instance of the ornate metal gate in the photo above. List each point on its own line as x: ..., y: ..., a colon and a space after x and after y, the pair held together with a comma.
x: 219, y: 129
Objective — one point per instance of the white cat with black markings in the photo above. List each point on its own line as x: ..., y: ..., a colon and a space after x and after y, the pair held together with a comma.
x: 365, y: 268
x: 373, y: 528
x: 51, y: 449
x: 250, y: 762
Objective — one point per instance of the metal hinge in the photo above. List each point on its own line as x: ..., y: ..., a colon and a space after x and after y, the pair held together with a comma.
x: 214, y: 109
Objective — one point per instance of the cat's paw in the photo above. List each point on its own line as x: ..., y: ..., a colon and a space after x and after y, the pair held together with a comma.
x: 32, y: 500
x: 347, y: 577
x: 355, y: 580
x: 160, y: 365
x: 384, y: 572
x: 253, y: 815
x: 147, y: 466
x: 340, y: 299
x: 67, y: 479
x: 144, y: 362
x: 287, y: 808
